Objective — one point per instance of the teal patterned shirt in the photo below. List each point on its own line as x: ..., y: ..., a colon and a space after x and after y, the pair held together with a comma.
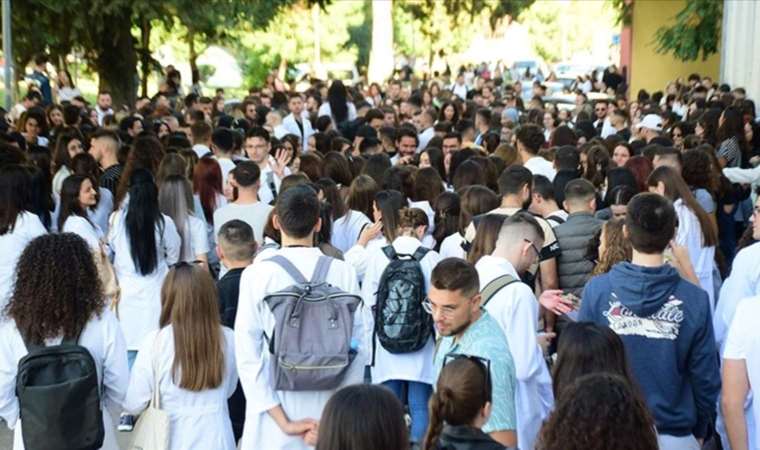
x: 485, y: 339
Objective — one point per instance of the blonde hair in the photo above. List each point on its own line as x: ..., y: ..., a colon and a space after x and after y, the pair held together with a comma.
x: 189, y: 304
x: 616, y: 247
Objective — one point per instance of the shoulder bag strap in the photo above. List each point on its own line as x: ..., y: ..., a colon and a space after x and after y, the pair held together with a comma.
x: 270, y: 182
x: 320, y: 272
x: 495, y: 286
x: 289, y: 268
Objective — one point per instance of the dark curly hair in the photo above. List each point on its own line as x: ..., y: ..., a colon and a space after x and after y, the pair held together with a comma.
x: 57, y: 288
x: 599, y: 411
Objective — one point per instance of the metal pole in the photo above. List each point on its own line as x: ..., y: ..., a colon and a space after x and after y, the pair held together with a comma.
x: 7, y: 56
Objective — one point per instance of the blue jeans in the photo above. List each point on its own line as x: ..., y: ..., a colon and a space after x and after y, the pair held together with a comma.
x: 416, y: 395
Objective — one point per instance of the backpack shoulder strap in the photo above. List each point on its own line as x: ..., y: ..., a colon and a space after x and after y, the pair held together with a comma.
x: 495, y: 286
x: 288, y: 267
x: 420, y: 253
x: 557, y: 219
x: 320, y: 272
x: 390, y: 252
x: 270, y: 182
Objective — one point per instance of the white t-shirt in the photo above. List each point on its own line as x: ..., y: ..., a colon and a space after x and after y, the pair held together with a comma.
x: 540, y: 166
x: 254, y: 214
x: 743, y: 342
x: 90, y: 232
x: 346, y: 230
x: 743, y: 282
x: 197, y: 233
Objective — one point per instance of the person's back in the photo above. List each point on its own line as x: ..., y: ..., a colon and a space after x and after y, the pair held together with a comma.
x: 194, y: 378
x: 246, y: 178
x: 574, y: 268
x: 272, y: 415
x: 664, y: 322
x: 68, y: 281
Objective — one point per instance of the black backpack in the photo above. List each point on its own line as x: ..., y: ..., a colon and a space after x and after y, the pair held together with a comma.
x: 59, y: 398
x: 401, y: 323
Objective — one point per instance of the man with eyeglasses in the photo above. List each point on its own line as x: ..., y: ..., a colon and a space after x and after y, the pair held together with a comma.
x: 257, y: 146
x: 600, y: 111
x: 466, y: 328
x: 513, y: 305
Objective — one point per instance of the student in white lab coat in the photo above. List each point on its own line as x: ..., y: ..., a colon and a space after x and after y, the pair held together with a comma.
x: 63, y: 299
x: 77, y: 195
x: 295, y: 123
x: 285, y: 419
x: 193, y: 356
x: 142, y: 258
x: 347, y: 223
x: 515, y: 307
x: 696, y: 230
x: 175, y: 199
x: 386, y: 207
x: 409, y: 375
x: 273, y: 169
x: 18, y: 226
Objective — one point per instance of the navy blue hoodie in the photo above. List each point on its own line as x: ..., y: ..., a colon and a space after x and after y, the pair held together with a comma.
x: 664, y: 322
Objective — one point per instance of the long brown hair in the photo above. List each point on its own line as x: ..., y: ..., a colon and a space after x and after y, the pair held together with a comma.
x: 485, y: 237
x: 189, y: 304
x: 475, y: 200
x: 361, y: 195
x: 463, y: 389
x: 616, y: 247
x: 676, y: 188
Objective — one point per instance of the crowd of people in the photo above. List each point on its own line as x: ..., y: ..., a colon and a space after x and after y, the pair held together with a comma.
x: 430, y: 265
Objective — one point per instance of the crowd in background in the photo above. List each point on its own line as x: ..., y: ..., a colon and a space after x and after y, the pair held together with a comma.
x: 588, y: 266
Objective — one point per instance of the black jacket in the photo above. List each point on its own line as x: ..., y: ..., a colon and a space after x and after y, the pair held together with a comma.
x: 464, y: 437
x: 229, y: 289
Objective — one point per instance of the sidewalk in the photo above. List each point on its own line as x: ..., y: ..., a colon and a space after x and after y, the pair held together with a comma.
x: 6, y: 438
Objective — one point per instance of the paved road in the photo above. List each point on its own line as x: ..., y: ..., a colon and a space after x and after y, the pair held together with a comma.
x: 6, y: 438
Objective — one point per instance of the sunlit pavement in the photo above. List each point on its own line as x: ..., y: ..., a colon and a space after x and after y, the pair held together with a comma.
x: 6, y: 438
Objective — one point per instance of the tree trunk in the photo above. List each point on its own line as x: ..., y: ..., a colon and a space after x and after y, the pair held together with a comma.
x: 193, y: 56
x: 381, y: 55
x: 317, y: 69
x: 116, y: 61
x: 145, y: 62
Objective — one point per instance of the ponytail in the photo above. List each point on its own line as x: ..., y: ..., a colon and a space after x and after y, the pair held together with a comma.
x: 437, y: 411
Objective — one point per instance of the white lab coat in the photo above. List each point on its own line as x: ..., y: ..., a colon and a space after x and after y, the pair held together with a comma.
x: 743, y: 282
x: 102, y: 336
x: 199, y: 420
x: 289, y: 126
x: 253, y: 359
x: 265, y: 191
x: 702, y: 258
x: 516, y: 309
x: 12, y: 244
x: 90, y: 232
x: 357, y: 256
x: 451, y: 247
x: 346, y: 230
x: 140, y: 305
x: 415, y: 366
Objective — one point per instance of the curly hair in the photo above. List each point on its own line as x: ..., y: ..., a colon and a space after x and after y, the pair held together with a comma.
x: 599, y: 411
x: 57, y: 288
x: 616, y: 247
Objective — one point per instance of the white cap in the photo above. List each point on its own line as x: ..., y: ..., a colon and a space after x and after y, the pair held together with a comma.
x: 651, y: 121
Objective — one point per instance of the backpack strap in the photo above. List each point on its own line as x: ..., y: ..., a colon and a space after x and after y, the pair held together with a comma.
x: 390, y: 252
x: 320, y: 272
x: 288, y: 267
x: 420, y: 253
x: 495, y: 286
x: 557, y: 219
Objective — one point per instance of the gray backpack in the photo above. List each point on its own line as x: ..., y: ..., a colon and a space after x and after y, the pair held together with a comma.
x: 311, y: 344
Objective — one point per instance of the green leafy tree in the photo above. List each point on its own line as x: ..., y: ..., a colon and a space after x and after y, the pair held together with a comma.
x: 696, y: 31
x: 104, y: 31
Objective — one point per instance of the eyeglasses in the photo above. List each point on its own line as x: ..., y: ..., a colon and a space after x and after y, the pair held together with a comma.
x: 533, y: 246
x: 445, y: 311
x: 483, y: 363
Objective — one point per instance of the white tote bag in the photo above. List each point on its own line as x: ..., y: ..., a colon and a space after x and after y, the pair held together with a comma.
x: 152, y: 428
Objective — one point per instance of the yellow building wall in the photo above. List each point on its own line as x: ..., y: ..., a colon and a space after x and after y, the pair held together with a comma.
x: 651, y: 70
